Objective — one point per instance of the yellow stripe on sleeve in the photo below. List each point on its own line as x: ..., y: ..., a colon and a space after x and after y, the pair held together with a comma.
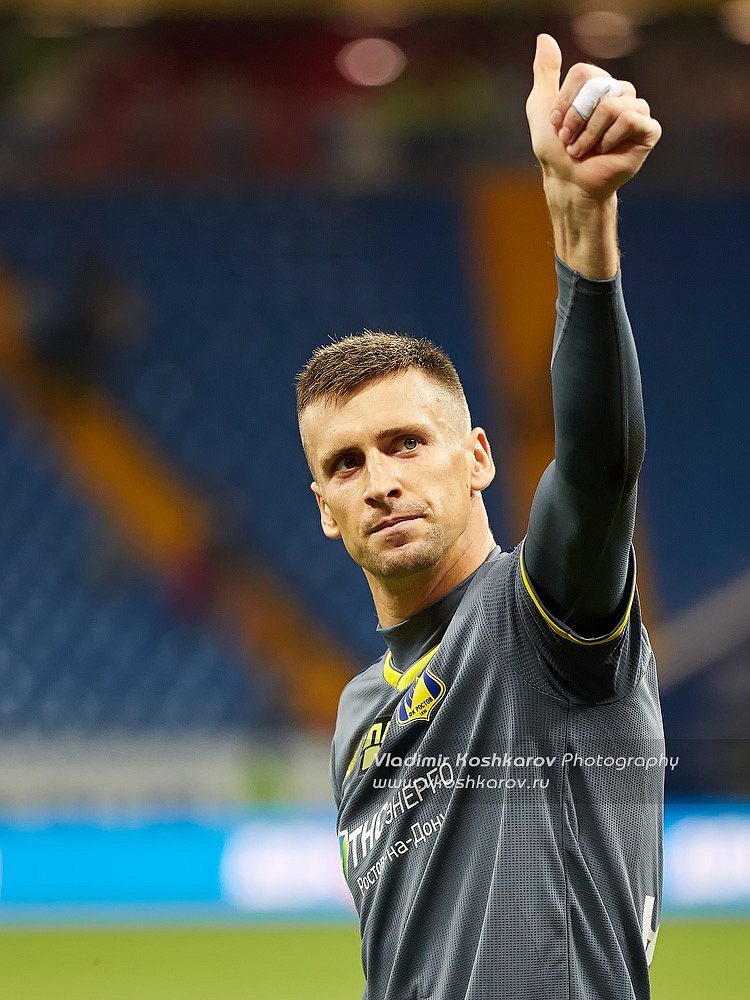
x: 568, y: 634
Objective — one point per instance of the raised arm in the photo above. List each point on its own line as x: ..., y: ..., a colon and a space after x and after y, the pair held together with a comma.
x: 576, y: 553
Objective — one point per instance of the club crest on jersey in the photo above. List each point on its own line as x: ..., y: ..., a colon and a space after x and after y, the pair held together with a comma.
x: 420, y: 701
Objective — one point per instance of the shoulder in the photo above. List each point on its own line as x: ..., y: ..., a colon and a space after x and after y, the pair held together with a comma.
x: 588, y: 668
x: 360, y: 704
x: 496, y: 572
x: 505, y: 615
x: 360, y: 696
x: 362, y: 685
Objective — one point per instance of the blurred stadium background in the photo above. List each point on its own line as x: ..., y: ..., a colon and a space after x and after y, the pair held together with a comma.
x: 192, y: 196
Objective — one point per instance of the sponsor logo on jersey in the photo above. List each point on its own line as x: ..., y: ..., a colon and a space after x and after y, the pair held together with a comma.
x: 344, y: 851
x: 424, y: 694
x: 374, y: 739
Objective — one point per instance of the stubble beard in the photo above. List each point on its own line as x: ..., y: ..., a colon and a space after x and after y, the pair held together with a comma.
x: 394, y: 562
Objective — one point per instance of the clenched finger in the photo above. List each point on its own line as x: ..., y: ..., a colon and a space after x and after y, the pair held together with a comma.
x: 575, y: 78
x: 631, y: 127
x: 573, y: 124
x: 605, y: 115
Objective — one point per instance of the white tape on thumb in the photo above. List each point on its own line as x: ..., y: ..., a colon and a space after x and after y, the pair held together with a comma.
x: 592, y: 92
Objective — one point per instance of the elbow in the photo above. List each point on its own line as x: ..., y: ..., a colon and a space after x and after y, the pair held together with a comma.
x: 598, y: 473
x: 635, y: 451
x: 624, y: 478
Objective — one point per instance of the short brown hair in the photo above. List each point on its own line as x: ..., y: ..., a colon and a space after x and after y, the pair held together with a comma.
x: 337, y: 370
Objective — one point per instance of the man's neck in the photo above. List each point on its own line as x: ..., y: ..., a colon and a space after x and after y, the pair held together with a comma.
x: 395, y: 601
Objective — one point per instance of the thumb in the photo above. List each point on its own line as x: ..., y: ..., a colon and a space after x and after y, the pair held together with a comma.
x: 547, y: 68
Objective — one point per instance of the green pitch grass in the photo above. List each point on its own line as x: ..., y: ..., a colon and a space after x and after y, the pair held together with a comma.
x: 693, y: 961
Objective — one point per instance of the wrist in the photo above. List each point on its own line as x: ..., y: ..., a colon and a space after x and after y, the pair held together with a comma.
x: 584, y: 228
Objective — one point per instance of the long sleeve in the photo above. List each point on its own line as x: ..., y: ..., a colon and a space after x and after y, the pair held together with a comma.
x: 577, y: 550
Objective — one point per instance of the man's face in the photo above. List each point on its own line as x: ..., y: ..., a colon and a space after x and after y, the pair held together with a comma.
x: 395, y: 467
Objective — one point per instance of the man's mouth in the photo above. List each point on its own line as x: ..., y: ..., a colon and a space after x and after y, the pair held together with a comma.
x: 389, y: 522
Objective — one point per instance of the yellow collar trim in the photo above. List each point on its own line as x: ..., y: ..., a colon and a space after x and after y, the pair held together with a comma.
x: 402, y: 680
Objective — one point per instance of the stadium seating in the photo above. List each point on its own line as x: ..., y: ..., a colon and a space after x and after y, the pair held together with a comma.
x: 85, y: 650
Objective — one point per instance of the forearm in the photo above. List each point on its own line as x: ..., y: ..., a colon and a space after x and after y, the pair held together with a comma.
x: 585, y: 230
x: 583, y: 515
x: 596, y: 386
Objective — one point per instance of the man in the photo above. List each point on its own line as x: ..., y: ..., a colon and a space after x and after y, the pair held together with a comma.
x: 498, y: 771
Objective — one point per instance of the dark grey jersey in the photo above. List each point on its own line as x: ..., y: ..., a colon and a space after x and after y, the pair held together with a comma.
x: 500, y: 782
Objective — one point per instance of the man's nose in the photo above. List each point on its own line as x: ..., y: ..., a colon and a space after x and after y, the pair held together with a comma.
x: 381, y: 481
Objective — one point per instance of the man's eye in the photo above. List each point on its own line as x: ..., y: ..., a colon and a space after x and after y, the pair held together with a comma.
x: 347, y: 463
x: 409, y: 443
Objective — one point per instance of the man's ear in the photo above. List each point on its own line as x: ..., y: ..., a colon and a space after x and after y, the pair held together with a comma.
x: 327, y: 522
x: 483, y: 465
